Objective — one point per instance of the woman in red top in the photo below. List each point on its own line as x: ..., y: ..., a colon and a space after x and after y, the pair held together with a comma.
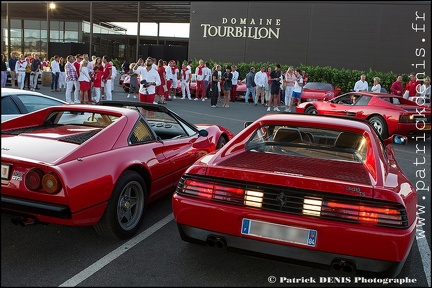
x: 161, y: 89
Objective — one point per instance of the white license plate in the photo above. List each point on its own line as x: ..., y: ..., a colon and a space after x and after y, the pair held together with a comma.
x: 279, y: 232
x: 5, y: 169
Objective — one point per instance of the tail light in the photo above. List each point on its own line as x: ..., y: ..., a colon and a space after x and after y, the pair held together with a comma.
x: 225, y: 193
x: 362, y: 213
x: 406, y: 118
x: 36, y: 180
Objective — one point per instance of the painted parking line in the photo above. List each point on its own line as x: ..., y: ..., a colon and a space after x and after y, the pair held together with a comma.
x: 92, y: 269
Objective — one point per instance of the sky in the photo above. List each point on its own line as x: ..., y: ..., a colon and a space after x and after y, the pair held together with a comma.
x: 150, y: 29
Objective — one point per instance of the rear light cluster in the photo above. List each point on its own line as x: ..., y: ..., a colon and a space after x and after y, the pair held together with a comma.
x: 406, y: 118
x: 339, y: 208
x: 36, y: 180
x: 365, y: 213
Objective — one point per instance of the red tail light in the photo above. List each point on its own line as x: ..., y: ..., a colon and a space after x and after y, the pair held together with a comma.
x: 36, y: 179
x: 362, y: 213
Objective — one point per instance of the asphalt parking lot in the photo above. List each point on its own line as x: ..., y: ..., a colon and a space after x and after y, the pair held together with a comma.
x: 50, y: 255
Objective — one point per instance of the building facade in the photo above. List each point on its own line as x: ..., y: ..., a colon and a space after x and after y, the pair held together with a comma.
x: 383, y: 36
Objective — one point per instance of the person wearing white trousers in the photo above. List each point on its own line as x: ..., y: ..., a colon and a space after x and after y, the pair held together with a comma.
x: 71, y: 80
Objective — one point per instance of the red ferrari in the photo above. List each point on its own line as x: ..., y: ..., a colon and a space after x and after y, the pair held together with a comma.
x: 317, y: 91
x: 389, y: 114
x: 80, y: 165
x: 319, y: 189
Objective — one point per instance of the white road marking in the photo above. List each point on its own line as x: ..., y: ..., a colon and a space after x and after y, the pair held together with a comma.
x: 425, y: 254
x: 89, y: 271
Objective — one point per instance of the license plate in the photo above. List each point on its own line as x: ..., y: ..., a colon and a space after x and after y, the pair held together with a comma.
x: 279, y: 232
x: 5, y: 170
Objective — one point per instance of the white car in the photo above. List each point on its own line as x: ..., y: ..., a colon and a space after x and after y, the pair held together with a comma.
x: 15, y: 102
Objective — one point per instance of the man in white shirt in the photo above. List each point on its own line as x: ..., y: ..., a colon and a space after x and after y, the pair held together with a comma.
x: 361, y: 85
x: 147, y: 90
x: 55, y: 70
x: 207, y: 79
x: 172, y: 73
x: 234, y: 81
x: 260, y: 81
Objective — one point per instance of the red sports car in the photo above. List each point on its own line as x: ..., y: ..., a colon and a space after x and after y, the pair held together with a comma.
x: 388, y: 113
x: 317, y: 91
x: 320, y: 189
x: 80, y: 165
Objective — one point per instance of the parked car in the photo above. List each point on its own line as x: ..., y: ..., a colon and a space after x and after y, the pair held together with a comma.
x: 319, y: 91
x: 15, y: 102
x: 388, y: 113
x: 99, y: 165
x: 320, y: 189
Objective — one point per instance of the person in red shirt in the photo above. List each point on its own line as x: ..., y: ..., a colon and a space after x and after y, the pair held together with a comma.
x: 411, y: 85
x: 97, y: 82
x: 397, y: 87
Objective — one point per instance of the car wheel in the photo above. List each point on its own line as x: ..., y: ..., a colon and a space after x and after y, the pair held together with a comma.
x: 222, y: 141
x: 380, y: 126
x: 311, y: 110
x: 125, y: 210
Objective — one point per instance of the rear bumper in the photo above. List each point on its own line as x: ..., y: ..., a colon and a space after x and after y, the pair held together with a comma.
x: 35, y: 207
x: 372, y: 249
x: 291, y: 254
x: 45, y: 212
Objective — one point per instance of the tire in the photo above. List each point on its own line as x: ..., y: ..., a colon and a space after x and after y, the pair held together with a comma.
x: 125, y: 210
x: 222, y: 141
x: 380, y: 126
x: 311, y: 110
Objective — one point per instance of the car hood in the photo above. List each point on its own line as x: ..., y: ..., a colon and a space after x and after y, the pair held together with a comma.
x: 316, y: 91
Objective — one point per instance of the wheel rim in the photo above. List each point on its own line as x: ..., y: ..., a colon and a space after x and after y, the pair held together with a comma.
x: 377, y: 125
x: 130, y: 205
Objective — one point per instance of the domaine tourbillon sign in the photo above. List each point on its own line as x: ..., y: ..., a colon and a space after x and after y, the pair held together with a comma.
x: 243, y: 28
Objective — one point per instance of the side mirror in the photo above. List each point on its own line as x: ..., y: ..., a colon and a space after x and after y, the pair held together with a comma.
x: 247, y: 123
x: 203, y: 133
x: 396, y: 139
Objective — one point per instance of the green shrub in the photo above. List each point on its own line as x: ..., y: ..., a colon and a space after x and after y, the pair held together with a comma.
x: 342, y: 78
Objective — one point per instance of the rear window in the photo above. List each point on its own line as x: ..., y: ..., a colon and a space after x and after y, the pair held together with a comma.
x: 309, y: 143
x: 84, y: 118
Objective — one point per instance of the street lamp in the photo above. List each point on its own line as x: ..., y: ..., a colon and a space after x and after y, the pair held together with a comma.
x: 50, y: 6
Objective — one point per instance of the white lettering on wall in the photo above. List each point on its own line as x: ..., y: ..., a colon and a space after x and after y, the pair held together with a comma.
x: 246, y: 28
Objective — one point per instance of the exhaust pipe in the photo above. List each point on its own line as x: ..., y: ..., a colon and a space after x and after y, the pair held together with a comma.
x: 344, y: 265
x: 220, y: 242
x: 348, y: 267
x: 211, y: 241
x: 336, y: 265
x: 23, y: 221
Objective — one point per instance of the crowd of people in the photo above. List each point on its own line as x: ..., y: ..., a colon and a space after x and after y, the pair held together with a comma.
x: 413, y: 90
x: 87, y: 80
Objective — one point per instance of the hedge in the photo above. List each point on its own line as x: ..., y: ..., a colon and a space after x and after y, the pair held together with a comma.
x: 342, y: 78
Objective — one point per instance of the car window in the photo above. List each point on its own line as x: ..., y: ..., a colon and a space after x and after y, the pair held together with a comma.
x: 318, y: 86
x: 362, y: 100
x: 84, y: 118
x: 8, y: 107
x: 35, y: 102
x: 165, y: 125
x: 318, y: 143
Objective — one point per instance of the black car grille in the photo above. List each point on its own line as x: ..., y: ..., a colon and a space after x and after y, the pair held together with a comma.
x: 294, y: 201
